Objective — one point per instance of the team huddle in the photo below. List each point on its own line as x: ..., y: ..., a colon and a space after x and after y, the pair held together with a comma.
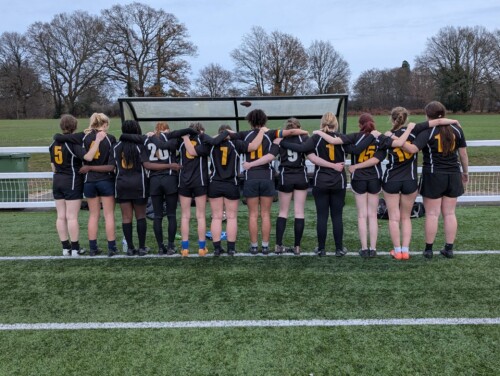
x: 186, y: 165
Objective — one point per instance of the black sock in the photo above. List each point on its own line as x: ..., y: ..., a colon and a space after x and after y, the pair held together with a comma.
x: 66, y: 244
x: 217, y: 245
x: 142, y: 227
x: 75, y: 246
x: 428, y: 247
x: 127, y: 232
x: 93, y: 244
x: 298, y: 228
x: 112, y: 244
x: 280, y: 230
x: 231, y: 245
x: 448, y: 247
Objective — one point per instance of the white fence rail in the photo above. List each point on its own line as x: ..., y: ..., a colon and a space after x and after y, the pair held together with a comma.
x: 34, y: 189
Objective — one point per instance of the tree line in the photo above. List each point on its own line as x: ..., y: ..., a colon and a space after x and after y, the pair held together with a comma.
x: 78, y: 63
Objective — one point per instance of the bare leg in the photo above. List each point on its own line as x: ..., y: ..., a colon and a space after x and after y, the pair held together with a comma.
x: 432, y: 212
x: 217, y: 208
x: 108, y: 206
x: 253, y: 218
x: 362, y: 206
x: 448, y: 206
x: 265, y: 215
x: 72, y: 210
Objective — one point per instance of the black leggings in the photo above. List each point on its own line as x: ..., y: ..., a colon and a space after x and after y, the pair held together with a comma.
x: 170, y: 202
x: 329, y: 201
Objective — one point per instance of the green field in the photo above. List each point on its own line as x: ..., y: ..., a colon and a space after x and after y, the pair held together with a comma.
x: 171, y: 289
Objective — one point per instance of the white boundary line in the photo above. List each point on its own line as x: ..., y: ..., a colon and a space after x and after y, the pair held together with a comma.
x: 121, y: 257
x: 250, y: 323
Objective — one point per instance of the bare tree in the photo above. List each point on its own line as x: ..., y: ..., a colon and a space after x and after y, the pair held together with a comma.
x: 329, y: 71
x: 69, y: 57
x: 214, y: 81
x: 460, y: 60
x: 147, y: 49
x: 18, y: 81
x: 249, y: 59
x: 285, y: 64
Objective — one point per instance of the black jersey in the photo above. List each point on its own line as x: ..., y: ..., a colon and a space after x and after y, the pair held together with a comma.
x: 359, y: 156
x: 401, y: 165
x: 104, y: 156
x: 264, y: 171
x: 292, y: 162
x: 67, y: 160
x: 131, y: 178
x: 324, y: 177
x: 194, y: 171
x: 160, y: 150
x: 225, y: 160
x: 434, y: 161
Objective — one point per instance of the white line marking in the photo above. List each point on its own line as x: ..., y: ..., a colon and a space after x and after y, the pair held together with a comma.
x: 249, y: 323
x: 118, y: 257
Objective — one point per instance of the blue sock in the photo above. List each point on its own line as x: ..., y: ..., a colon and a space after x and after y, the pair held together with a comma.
x: 111, y: 244
x: 202, y: 244
x: 185, y: 244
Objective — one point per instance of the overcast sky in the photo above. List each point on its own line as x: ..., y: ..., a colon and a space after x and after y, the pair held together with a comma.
x: 367, y: 33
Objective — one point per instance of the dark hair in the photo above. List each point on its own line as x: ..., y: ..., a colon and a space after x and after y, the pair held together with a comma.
x: 436, y: 110
x: 366, y: 123
x: 257, y: 118
x: 224, y: 127
x: 198, y: 127
x: 68, y: 124
x: 130, y: 154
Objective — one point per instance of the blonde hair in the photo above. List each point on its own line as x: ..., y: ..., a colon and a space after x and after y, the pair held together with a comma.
x: 161, y: 126
x: 399, y: 117
x: 329, y: 122
x: 98, y: 122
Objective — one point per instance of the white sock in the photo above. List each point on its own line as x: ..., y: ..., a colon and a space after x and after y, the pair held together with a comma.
x: 397, y: 249
x: 405, y: 249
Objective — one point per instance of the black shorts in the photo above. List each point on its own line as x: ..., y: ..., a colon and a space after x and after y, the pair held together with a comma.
x: 224, y: 189
x: 439, y: 185
x: 65, y: 188
x: 163, y: 185
x: 259, y: 188
x: 135, y: 201
x: 99, y: 188
x: 405, y: 187
x: 288, y: 182
x: 373, y: 186
x: 193, y: 192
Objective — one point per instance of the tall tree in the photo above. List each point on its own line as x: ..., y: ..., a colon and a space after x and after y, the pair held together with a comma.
x: 460, y: 60
x: 18, y: 81
x: 249, y: 59
x: 69, y: 56
x: 285, y: 64
x: 214, y: 81
x: 328, y: 70
x: 147, y: 48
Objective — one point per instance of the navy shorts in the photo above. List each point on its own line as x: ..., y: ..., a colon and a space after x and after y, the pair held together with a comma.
x: 65, y: 188
x: 372, y: 186
x: 226, y: 189
x: 193, y: 192
x: 99, y: 188
x: 259, y: 188
x: 405, y: 187
x: 440, y: 185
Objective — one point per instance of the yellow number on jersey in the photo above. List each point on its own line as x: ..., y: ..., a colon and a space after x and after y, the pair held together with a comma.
x: 259, y: 153
x: 367, y: 154
x: 331, y: 151
x: 58, y: 156
x: 402, y: 155
x: 440, y: 145
x: 97, y: 153
x: 224, y: 151
x: 189, y: 156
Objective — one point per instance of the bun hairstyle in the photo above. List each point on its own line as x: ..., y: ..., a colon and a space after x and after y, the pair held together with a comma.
x: 436, y: 110
x: 329, y: 122
x: 98, y: 122
x: 399, y: 117
x: 292, y: 123
x: 161, y: 126
x: 366, y: 123
x: 68, y: 124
